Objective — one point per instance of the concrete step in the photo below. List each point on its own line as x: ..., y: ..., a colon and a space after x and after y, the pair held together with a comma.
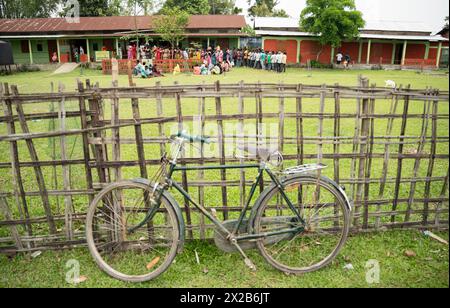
x: 66, y: 68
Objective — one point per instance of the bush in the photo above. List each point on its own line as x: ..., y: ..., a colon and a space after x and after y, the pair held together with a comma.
x: 24, y: 68
x: 317, y: 64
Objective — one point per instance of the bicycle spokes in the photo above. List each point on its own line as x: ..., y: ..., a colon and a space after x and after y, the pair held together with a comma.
x: 315, y: 240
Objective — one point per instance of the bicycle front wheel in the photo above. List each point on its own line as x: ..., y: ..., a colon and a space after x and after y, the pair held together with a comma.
x: 320, y: 237
x: 144, y: 253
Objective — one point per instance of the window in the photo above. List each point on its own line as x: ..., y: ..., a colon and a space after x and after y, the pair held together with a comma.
x: 95, y: 46
x: 40, y: 47
x: 25, y: 47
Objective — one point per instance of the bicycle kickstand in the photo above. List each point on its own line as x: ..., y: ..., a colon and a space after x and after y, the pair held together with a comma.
x: 247, y: 261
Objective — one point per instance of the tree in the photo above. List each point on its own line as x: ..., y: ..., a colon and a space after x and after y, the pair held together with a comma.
x: 137, y: 7
x: 191, y: 7
x: 223, y: 7
x: 332, y: 20
x: 27, y: 8
x: 265, y: 8
x: 249, y: 31
x: 446, y: 26
x: 171, y: 25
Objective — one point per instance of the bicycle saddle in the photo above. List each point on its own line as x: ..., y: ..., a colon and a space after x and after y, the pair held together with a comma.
x: 262, y: 152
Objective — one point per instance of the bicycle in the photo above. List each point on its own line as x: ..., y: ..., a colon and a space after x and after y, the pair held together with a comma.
x: 299, y: 223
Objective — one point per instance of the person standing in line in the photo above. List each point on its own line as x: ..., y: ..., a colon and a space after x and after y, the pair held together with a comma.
x: 263, y: 60
x: 283, y: 62
x: 257, y: 59
x: 246, y: 57
x: 277, y: 62
x: 269, y: 61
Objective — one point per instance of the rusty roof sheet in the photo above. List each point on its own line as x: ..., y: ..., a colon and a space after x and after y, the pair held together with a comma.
x: 115, y: 23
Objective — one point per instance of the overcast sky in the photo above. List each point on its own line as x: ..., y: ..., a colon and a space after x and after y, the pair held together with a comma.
x: 429, y: 12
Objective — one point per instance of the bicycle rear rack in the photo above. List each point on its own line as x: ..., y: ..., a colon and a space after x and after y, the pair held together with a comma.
x: 304, y: 169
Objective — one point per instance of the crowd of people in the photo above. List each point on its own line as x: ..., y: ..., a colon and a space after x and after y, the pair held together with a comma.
x: 210, y: 61
x: 265, y: 60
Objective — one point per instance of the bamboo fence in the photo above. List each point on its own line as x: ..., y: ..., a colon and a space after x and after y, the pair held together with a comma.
x: 388, y: 147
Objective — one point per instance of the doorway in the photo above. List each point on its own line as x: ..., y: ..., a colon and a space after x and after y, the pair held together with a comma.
x: 398, y: 53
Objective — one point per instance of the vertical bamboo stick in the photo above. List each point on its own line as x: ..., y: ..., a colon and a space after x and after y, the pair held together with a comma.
x: 86, y: 154
x: 363, y: 137
x: 4, y: 209
x: 386, y: 159
x: 420, y: 148
x: 68, y: 211
x: 431, y: 161
x: 37, y: 170
x: 201, y: 173
x: 183, y: 163
x: 241, y: 134
x: 19, y: 191
x: 368, y: 158
x: 400, y: 152
x: 223, y: 174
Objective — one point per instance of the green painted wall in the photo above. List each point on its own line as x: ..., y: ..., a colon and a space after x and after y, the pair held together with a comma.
x: 39, y: 57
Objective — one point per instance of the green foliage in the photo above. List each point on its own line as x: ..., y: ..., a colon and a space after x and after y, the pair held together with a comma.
x: 191, y: 7
x: 265, y: 8
x: 27, y: 8
x: 171, y: 25
x: 223, y: 7
x: 135, y: 7
x: 317, y: 64
x: 249, y: 30
x: 332, y: 20
x: 27, y: 68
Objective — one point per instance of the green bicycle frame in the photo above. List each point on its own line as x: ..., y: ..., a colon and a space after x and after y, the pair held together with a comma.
x: 214, y: 220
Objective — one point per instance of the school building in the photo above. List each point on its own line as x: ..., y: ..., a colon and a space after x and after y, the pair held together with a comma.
x: 386, y: 43
x: 34, y: 41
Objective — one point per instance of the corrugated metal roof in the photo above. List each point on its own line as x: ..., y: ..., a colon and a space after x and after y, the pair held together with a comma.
x: 380, y: 25
x: 276, y: 22
x: 282, y: 33
x: 390, y: 25
x: 115, y: 23
x: 432, y: 38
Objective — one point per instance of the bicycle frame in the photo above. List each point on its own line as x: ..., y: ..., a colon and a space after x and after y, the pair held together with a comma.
x: 261, y: 169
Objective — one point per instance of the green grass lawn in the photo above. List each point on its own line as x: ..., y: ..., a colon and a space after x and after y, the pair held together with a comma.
x: 40, y: 81
x: 428, y: 269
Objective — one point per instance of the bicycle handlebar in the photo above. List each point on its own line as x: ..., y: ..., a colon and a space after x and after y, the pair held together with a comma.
x: 199, y: 139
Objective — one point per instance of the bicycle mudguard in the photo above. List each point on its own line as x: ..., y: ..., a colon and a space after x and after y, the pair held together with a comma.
x: 175, y: 207
x: 283, y: 180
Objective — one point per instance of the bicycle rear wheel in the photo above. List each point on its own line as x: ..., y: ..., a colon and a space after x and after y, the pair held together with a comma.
x: 136, y: 256
x: 326, y: 216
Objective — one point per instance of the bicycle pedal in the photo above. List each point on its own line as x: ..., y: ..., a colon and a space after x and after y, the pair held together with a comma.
x: 250, y: 264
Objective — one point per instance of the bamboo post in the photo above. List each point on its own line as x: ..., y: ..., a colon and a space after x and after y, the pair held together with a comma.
x: 420, y: 149
x: 68, y: 212
x: 37, y: 170
x: 431, y: 162
x: 221, y: 140
x: 386, y: 159
x: 19, y: 191
x: 363, y: 143
x: 241, y: 138
x: 84, y: 126
x: 4, y: 209
x: 400, y: 152
x: 183, y: 163
x: 201, y: 173
x: 368, y: 158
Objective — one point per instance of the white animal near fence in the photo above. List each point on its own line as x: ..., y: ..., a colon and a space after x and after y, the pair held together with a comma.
x: 390, y: 84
